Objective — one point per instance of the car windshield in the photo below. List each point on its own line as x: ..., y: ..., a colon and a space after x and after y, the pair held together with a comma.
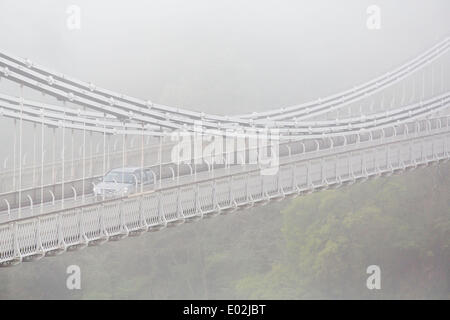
x: 120, y: 177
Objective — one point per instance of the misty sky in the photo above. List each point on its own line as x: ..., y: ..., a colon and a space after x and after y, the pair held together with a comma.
x: 226, y: 57
x: 230, y: 57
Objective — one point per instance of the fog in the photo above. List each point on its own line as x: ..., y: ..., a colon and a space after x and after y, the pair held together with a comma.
x: 222, y: 57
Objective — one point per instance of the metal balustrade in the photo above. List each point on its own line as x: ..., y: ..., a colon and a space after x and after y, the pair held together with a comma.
x: 29, y: 239
x: 82, y: 186
x: 346, y: 151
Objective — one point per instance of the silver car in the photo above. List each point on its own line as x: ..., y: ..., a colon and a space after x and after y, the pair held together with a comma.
x: 123, y: 181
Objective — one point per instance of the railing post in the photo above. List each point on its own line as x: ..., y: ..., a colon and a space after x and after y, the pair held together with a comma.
x: 308, y: 175
x: 263, y: 189
x: 31, y: 203
x: 179, y: 207
x: 122, y: 218
x: 336, y: 167
x: 39, y: 239
x: 102, y: 220
x: 196, y: 200
x: 53, y: 197
x: 279, y: 188
x: 421, y: 149
x: 141, y: 212
x: 74, y: 193
x: 293, y: 184
x: 214, y: 195
x: 232, y: 200
x: 246, y: 188
x: 363, y: 163
x: 387, y: 156
x: 61, y: 242
x: 321, y: 171
x: 17, y: 254
x: 433, y: 156
x: 349, y: 164
x: 82, y: 236
x: 161, y: 209
x: 9, y: 208
x: 410, y: 152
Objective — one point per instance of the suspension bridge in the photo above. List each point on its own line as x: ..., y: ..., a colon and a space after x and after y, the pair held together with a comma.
x: 200, y: 164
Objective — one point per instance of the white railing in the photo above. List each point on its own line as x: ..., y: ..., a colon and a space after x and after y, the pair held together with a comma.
x: 31, y: 238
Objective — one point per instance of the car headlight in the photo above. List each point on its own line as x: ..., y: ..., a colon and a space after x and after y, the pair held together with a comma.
x: 125, y: 190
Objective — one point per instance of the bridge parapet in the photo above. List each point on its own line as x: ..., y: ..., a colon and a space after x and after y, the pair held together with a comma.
x: 31, y: 238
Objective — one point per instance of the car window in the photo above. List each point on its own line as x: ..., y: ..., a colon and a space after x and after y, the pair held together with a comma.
x: 146, y: 177
x: 137, y: 173
x: 119, y: 177
x: 149, y: 176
